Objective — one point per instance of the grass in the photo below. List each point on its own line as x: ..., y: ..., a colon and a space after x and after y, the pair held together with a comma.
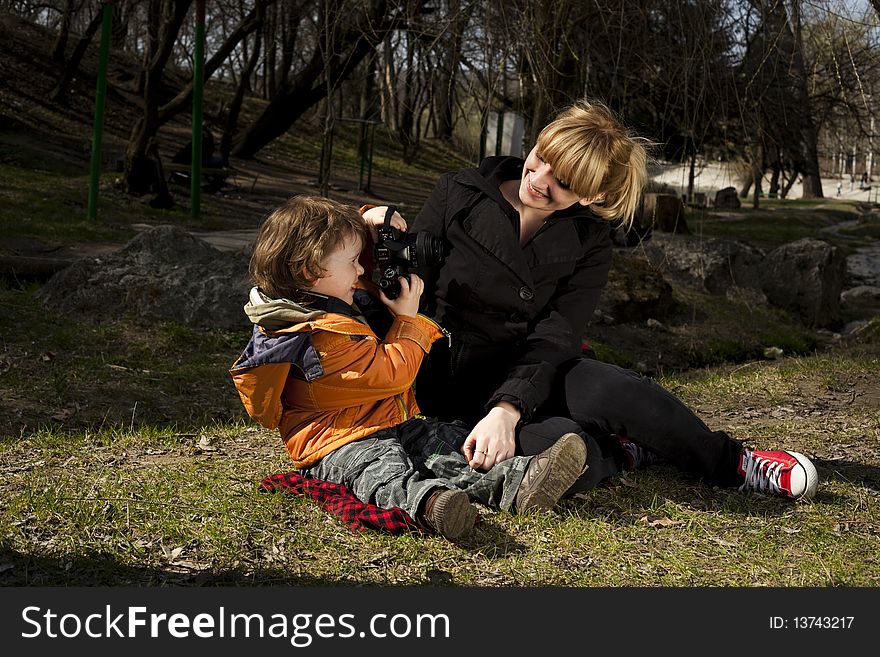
x: 168, y: 495
x: 52, y: 205
x: 703, y: 330
x: 95, y: 375
x: 776, y: 222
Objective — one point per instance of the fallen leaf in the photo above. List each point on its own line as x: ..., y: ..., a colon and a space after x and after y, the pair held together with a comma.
x: 660, y: 522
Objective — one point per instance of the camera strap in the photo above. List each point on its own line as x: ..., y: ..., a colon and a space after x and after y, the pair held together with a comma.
x: 388, y: 214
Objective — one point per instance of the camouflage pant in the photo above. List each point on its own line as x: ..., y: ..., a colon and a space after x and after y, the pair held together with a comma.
x: 398, y: 467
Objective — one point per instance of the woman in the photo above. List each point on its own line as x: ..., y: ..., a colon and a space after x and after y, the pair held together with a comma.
x: 528, y: 253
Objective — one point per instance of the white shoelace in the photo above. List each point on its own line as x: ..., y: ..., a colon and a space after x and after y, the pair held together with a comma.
x: 640, y: 456
x: 762, y: 474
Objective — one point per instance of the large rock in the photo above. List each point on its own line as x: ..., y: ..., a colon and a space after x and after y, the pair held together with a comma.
x: 727, y: 199
x: 806, y: 278
x: 663, y: 212
x: 862, y: 300
x: 711, y: 264
x: 162, y: 274
x: 635, y: 291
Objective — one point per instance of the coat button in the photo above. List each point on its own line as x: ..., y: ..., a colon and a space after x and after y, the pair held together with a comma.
x: 526, y: 294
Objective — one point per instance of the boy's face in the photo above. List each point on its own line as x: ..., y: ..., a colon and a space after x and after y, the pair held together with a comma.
x: 341, y: 271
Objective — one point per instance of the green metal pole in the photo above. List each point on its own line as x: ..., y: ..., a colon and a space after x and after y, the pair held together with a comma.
x: 372, y: 134
x: 198, y: 78
x: 98, y: 129
x: 484, y: 136
x: 362, y: 153
x: 499, y: 133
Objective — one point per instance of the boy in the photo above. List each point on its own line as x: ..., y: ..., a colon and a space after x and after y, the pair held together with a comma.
x: 341, y: 396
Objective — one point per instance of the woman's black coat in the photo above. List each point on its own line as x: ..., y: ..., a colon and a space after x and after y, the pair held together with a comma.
x: 516, y: 314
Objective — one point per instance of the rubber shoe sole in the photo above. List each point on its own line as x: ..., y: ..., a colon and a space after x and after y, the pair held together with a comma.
x: 453, y: 515
x: 811, y: 483
x: 551, y: 473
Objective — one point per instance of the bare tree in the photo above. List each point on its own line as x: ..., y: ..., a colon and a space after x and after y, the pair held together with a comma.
x: 72, y: 63
x: 363, y: 25
x: 234, y: 108
x: 143, y: 173
x: 777, y: 104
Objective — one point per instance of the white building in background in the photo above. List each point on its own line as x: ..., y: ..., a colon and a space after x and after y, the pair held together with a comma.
x: 512, y: 130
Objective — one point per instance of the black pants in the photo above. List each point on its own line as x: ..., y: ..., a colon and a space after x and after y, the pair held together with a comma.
x: 604, y: 455
x: 599, y: 400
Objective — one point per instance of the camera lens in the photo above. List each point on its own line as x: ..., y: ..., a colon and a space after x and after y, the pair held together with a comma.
x: 428, y: 249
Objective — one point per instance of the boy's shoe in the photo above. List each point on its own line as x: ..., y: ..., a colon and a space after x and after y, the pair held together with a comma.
x: 779, y: 472
x: 636, y: 455
x: 551, y: 473
x: 449, y: 512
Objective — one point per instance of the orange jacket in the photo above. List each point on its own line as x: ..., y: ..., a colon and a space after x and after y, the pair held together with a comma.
x: 324, y: 379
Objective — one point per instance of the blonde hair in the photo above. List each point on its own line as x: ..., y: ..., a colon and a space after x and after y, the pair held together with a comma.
x: 296, y: 238
x: 597, y: 157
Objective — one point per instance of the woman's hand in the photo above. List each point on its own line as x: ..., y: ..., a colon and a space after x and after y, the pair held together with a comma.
x: 407, y: 303
x: 493, y: 438
x: 376, y: 217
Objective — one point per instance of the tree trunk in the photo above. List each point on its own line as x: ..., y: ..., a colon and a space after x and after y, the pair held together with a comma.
x: 59, y: 93
x: 63, y: 33
x: 809, y: 135
x: 246, y: 26
x: 788, y: 184
x: 348, y: 47
x: 367, y: 104
x: 270, y: 27
x: 389, y: 90
x: 119, y: 27
x: 692, y: 165
x: 757, y: 175
x: 142, y: 175
x: 776, y: 169
x: 444, y: 80
x: 406, y: 122
x: 234, y: 109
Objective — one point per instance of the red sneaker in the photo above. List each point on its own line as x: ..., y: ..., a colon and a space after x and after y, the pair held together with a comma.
x: 636, y: 455
x: 778, y: 472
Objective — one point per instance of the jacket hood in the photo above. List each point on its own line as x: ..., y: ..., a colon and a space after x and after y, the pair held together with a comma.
x: 498, y: 168
x: 490, y: 174
x: 276, y: 314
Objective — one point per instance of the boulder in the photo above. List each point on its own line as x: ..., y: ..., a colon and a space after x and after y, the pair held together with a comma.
x: 635, y: 291
x: 164, y: 273
x: 806, y: 278
x: 664, y: 212
x: 862, y: 300
x: 727, y: 199
x: 711, y: 264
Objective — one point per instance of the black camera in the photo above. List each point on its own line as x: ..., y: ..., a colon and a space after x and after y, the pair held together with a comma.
x: 397, y: 252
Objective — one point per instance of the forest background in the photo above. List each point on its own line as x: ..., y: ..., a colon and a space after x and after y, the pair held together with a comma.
x: 772, y: 86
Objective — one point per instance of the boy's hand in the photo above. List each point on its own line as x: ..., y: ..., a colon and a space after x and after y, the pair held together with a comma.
x: 407, y: 303
x: 376, y: 217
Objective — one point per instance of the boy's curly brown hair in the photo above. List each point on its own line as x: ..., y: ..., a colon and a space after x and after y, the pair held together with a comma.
x: 294, y: 240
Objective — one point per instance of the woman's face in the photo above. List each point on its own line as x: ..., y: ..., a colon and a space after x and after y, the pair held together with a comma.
x: 542, y: 190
